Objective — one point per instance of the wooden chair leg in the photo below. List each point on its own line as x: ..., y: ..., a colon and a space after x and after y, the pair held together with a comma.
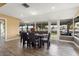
x: 23, y: 44
x: 48, y: 45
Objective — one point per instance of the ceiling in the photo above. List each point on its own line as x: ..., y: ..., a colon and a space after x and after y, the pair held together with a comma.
x: 39, y: 12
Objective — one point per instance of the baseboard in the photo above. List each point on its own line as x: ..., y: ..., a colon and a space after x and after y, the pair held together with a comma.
x: 70, y: 42
x: 12, y: 39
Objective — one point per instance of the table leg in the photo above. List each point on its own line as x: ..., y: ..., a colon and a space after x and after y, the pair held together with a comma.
x: 40, y: 43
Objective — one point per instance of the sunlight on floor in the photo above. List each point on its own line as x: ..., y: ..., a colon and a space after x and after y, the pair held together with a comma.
x: 53, y: 36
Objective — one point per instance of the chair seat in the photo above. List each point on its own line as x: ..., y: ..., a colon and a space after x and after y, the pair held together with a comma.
x: 45, y: 39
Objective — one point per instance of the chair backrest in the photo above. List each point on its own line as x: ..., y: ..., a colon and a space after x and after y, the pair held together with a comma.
x: 24, y: 36
x: 20, y: 33
x: 31, y: 36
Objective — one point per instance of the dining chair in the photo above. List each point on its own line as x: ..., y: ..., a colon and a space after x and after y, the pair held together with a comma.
x: 33, y: 40
x: 20, y: 34
x: 24, y: 39
x: 46, y: 40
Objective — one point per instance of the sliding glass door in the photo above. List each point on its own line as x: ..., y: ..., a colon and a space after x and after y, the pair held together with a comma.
x: 2, y: 32
x: 54, y: 31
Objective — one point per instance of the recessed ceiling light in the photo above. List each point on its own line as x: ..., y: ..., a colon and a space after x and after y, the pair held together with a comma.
x: 34, y: 13
x: 21, y: 15
x: 53, y: 7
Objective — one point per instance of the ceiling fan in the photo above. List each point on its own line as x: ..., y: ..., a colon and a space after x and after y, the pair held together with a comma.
x: 25, y: 5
